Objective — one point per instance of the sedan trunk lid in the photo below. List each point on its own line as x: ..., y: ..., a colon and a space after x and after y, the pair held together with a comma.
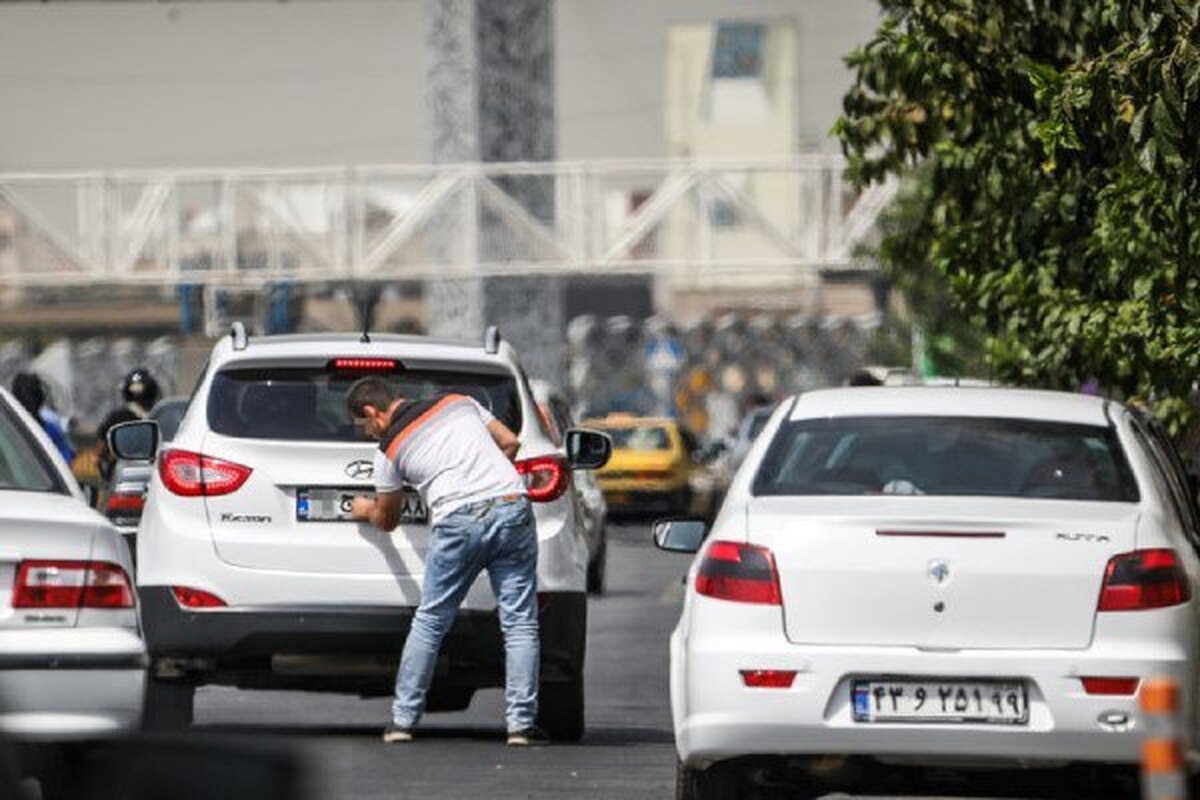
x: 941, y: 573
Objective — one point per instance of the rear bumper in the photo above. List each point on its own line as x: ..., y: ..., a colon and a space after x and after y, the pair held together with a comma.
x: 70, y: 685
x: 717, y: 717
x: 665, y: 500
x: 238, y: 645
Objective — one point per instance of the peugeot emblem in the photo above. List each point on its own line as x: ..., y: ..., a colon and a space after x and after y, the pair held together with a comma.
x: 360, y: 470
x: 939, y: 572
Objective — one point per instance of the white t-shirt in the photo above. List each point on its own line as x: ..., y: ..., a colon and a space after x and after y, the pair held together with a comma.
x: 443, y: 448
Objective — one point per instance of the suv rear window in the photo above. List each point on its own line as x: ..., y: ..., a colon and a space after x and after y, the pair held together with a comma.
x: 309, y: 403
x: 946, y: 456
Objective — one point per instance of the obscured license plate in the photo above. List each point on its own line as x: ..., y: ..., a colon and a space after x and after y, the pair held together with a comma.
x: 993, y: 702
x: 622, y: 498
x: 334, y: 505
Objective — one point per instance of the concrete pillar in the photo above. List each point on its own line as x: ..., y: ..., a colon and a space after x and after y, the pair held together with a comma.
x: 491, y: 98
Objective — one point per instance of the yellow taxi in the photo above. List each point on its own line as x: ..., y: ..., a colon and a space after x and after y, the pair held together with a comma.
x: 650, y: 466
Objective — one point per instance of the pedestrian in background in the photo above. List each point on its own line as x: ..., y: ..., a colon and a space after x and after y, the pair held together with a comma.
x: 459, y: 457
x: 139, y: 393
x: 30, y: 391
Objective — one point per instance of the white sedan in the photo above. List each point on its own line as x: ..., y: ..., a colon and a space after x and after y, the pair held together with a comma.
x: 934, y: 575
x: 72, y: 660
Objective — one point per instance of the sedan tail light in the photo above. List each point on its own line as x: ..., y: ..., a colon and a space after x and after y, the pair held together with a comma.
x: 191, y: 474
x: 741, y: 572
x: 72, y: 584
x: 124, y: 504
x: 1144, y: 579
x: 546, y: 477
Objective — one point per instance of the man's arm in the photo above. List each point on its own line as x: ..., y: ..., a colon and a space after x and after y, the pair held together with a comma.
x: 383, y: 512
x: 505, y: 439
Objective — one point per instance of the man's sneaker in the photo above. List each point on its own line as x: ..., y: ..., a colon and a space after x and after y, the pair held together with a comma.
x: 394, y: 734
x: 532, y: 736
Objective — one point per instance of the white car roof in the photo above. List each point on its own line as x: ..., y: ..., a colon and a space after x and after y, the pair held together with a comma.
x: 326, y: 345
x: 952, y: 401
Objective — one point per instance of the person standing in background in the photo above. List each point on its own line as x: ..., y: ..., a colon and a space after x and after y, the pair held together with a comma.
x: 31, y: 393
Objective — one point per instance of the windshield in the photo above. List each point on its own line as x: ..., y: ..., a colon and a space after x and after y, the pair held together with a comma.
x: 309, y: 403
x: 168, y: 414
x: 23, y: 465
x: 646, y: 438
x: 946, y: 456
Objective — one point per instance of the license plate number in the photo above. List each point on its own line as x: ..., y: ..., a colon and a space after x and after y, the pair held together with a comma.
x: 334, y: 505
x: 991, y: 702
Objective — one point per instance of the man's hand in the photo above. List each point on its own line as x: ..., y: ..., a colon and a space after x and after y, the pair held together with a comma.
x: 383, y: 512
x: 361, y: 508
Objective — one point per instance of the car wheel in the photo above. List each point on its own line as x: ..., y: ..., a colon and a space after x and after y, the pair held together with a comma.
x: 597, y: 576
x: 560, y: 709
x: 721, y: 781
x: 169, y: 705
x: 682, y: 503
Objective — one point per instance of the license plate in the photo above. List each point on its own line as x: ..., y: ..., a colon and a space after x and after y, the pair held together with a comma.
x: 907, y: 700
x: 621, y: 498
x: 333, y: 505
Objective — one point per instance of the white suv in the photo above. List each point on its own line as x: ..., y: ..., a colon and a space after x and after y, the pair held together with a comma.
x: 251, y: 573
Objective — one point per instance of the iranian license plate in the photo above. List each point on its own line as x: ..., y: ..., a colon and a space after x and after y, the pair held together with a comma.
x: 333, y: 505
x: 906, y: 700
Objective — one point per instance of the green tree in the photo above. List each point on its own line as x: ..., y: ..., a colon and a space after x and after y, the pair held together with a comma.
x: 1059, y: 141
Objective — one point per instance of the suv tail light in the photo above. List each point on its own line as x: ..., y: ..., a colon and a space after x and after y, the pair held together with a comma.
x: 191, y: 474
x: 72, y: 584
x: 546, y: 477
x: 1144, y: 579
x: 738, y: 571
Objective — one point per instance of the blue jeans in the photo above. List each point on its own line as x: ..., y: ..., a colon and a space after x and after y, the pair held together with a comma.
x: 501, y: 538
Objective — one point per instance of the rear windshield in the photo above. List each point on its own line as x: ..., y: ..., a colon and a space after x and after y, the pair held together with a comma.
x: 946, y: 456
x: 309, y: 403
x: 640, y: 438
x: 23, y: 465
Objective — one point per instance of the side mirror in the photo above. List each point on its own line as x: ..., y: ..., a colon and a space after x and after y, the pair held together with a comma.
x: 134, y: 441
x: 587, y: 449
x: 680, y: 535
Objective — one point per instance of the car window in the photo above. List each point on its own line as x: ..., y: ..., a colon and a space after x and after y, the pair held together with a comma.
x: 946, y: 456
x: 168, y: 415
x: 1173, y: 464
x: 23, y: 465
x: 1175, y: 489
x: 758, y: 421
x: 309, y: 403
x: 640, y: 438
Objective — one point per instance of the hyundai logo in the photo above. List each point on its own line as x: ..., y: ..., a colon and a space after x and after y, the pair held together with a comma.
x: 939, y: 571
x: 360, y: 470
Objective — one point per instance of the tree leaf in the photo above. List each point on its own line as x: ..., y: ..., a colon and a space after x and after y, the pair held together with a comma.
x: 1137, y: 129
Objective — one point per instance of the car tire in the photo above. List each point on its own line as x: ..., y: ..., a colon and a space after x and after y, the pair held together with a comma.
x: 597, y: 575
x: 681, y: 503
x: 560, y: 709
x: 721, y: 781
x: 169, y: 705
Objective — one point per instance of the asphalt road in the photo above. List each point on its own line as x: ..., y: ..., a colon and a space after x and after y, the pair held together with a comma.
x: 627, y: 752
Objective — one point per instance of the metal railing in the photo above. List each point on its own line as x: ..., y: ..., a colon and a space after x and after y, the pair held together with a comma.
x: 694, y: 220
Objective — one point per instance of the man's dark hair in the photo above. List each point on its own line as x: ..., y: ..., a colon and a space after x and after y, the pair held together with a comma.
x: 369, y: 391
x: 29, y: 390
